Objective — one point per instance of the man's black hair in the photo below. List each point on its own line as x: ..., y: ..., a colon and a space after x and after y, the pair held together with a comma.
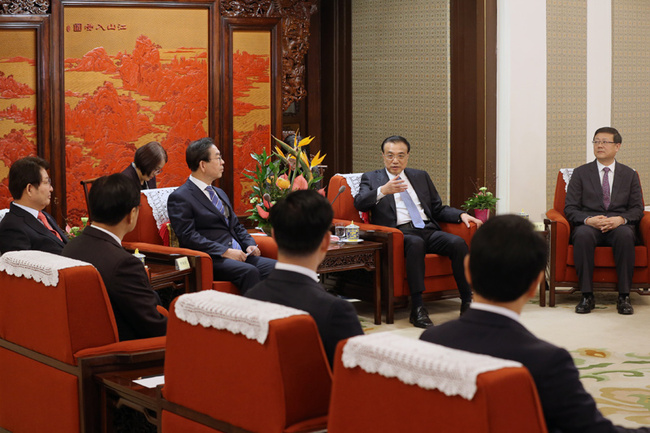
x: 300, y: 221
x: 506, y: 256
x: 111, y: 198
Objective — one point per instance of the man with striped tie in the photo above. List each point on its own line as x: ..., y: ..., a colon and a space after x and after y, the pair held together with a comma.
x: 604, y: 204
x: 203, y: 219
x: 26, y: 226
x: 405, y: 198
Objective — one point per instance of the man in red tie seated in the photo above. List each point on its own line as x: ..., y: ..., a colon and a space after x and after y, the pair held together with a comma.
x: 301, y: 227
x: 26, y: 226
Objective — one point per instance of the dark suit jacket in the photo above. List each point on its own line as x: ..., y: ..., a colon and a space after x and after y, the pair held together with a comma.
x: 384, y: 212
x: 132, y: 298
x: 200, y: 226
x: 21, y: 231
x: 567, y: 406
x: 131, y: 173
x: 336, y: 318
x: 584, y: 197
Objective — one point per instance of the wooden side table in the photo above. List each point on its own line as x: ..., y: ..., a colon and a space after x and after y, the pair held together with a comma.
x: 362, y: 255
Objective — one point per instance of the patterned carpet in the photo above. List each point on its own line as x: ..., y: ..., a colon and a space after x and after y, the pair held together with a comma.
x: 611, y: 351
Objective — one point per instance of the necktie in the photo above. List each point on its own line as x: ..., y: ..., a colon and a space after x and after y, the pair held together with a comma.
x: 41, y: 218
x: 606, y: 193
x: 414, y: 213
x: 216, y: 201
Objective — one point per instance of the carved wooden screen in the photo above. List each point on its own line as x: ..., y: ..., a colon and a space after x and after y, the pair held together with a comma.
x: 252, y: 98
x: 24, y: 92
x: 133, y: 75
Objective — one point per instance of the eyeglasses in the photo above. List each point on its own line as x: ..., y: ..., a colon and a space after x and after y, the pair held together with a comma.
x: 399, y: 156
x: 597, y: 142
x: 157, y: 171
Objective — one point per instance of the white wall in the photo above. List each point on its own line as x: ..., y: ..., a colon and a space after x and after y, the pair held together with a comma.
x: 521, y: 107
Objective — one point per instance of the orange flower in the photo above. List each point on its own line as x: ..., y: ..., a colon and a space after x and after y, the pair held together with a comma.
x: 283, y: 182
x: 300, y: 183
x: 261, y: 212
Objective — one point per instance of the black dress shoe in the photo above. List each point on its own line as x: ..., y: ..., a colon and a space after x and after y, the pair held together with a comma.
x: 420, y: 318
x: 623, y: 305
x: 586, y: 304
x: 464, y: 306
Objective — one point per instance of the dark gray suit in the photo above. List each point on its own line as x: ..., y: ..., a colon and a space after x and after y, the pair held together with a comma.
x: 584, y: 199
x: 417, y: 242
x: 19, y: 230
x: 567, y: 407
x: 200, y: 226
x: 127, y: 284
x: 336, y: 318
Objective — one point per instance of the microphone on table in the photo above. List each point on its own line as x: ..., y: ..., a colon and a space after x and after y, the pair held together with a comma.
x: 341, y: 189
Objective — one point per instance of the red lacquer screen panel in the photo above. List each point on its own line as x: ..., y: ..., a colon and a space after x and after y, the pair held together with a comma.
x: 18, y: 95
x: 132, y: 75
x: 251, y: 68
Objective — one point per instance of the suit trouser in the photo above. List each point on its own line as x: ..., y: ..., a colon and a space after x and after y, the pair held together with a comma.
x: 621, y: 239
x: 419, y: 242
x: 244, y: 275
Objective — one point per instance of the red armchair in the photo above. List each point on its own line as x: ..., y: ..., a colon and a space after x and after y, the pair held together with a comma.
x: 438, y: 279
x: 53, y: 339
x: 561, y: 271
x: 505, y: 399
x: 147, y: 237
x: 223, y: 370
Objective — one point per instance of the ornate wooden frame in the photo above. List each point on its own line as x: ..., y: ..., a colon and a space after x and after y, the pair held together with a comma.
x: 228, y: 26
x: 58, y: 11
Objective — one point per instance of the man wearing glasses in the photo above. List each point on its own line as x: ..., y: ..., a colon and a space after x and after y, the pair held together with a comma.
x: 406, y: 198
x: 604, y: 204
x: 26, y: 226
x: 204, y: 220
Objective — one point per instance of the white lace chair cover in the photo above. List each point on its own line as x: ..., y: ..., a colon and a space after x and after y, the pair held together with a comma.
x: 157, y: 199
x: 353, y: 180
x: 3, y: 212
x: 416, y: 362
x: 37, y: 265
x: 566, y: 175
x: 233, y: 313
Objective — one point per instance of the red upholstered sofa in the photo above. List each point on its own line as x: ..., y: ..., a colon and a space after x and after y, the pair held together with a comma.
x: 439, y: 281
x: 52, y: 340
x: 216, y: 377
x: 146, y: 237
x: 505, y: 400
x: 562, y: 271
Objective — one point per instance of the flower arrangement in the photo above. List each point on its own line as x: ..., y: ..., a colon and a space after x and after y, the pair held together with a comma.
x: 286, y: 169
x: 482, y: 199
x: 75, y: 231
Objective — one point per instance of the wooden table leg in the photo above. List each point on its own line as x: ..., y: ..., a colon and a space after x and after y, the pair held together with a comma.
x: 377, y: 287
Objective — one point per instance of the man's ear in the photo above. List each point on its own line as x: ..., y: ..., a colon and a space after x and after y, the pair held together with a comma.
x: 532, y: 290
x: 325, y: 243
x: 132, y: 217
x: 468, y: 276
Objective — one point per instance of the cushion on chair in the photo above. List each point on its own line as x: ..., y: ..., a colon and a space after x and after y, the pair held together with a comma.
x: 476, y: 394
x: 278, y: 385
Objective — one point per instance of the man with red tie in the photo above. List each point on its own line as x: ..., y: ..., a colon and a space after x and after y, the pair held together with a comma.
x: 604, y: 204
x: 26, y: 226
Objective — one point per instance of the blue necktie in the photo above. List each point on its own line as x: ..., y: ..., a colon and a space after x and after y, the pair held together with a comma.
x: 416, y: 218
x: 216, y: 201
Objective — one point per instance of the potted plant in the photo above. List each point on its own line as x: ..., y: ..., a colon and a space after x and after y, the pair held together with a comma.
x: 481, y: 202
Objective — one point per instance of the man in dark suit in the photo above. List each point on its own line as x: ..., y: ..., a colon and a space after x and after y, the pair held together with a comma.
x: 203, y: 219
x: 505, y: 267
x: 604, y: 204
x: 114, y: 203
x: 406, y: 199
x: 301, y: 224
x: 26, y: 226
